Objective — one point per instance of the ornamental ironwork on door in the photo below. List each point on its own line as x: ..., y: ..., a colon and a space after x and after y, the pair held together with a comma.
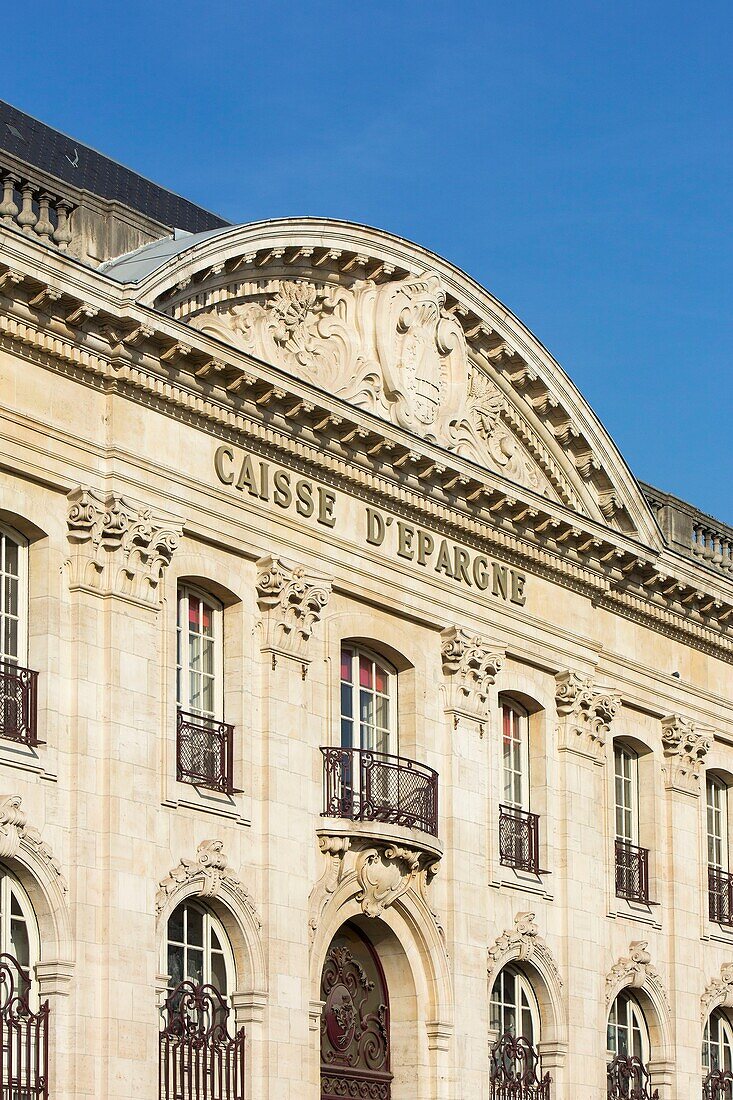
x: 354, y: 1022
x: 23, y: 1036
x: 198, y: 1057
x: 515, y: 1072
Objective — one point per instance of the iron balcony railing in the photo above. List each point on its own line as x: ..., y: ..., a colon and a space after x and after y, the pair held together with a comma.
x: 632, y: 872
x: 515, y: 1071
x: 205, y: 752
x: 23, y: 1036
x: 519, y: 839
x: 720, y: 896
x: 199, y: 1059
x: 718, y: 1085
x: 18, y: 703
x: 629, y: 1079
x: 374, y: 786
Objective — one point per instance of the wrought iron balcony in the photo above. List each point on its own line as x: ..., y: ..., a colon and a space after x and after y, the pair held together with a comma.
x: 23, y: 1035
x: 515, y: 1072
x: 519, y: 839
x: 632, y: 872
x: 718, y: 1085
x: 629, y: 1079
x: 720, y: 896
x: 371, y: 786
x: 18, y: 703
x: 205, y: 752
x: 198, y: 1057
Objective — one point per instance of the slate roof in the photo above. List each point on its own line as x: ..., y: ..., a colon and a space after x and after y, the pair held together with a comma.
x: 75, y: 163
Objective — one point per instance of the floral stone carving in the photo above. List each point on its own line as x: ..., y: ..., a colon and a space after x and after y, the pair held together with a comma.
x: 585, y: 715
x: 210, y: 871
x: 471, y: 665
x: 291, y: 602
x: 634, y: 971
x: 718, y: 993
x: 16, y: 835
x: 685, y: 749
x: 391, y: 348
x: 117, y: 546
x: 523, y: 942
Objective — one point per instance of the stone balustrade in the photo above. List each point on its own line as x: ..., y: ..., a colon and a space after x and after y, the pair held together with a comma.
x: 35, y: 210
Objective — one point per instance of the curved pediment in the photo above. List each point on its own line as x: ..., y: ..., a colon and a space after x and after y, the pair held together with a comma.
x: 393, y: 329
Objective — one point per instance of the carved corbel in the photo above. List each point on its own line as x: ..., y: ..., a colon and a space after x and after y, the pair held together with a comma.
x: 291, y: 603
x: 685, y: 749
x: 209, y: 870
x: 384, y: 875
x: 470, y: 666
x: 585, y: 714
x: 117, y: 547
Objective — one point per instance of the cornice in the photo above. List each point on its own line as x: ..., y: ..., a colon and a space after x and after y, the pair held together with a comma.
x: 84, y: 327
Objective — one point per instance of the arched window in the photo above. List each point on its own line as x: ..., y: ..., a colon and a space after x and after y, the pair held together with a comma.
x: 13, y: 597
x: 18, y: 927
x: 626, y: 1033
x: 513, y: 1008
x: 198, y: 949
x: 368, y: 701
x: 717, y: 1043
x: 200, y: 680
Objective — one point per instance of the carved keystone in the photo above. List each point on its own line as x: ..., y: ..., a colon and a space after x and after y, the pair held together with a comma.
x: 291, y: 602
x: 470, y: 665
x: 685, y: 749
x: 585, y: 714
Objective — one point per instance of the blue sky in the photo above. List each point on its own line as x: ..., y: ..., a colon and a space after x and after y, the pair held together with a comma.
x: 575, y: 158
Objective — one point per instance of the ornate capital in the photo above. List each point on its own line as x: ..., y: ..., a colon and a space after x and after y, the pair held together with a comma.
x: 585, y: 714
x: 291, y: 602
x: 470, y: 665
x: 118, y: 547
x: 209, y: 870
x: 685, y: 749
x: 718, y: 993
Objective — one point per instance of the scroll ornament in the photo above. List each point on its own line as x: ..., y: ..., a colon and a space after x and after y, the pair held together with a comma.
x: 585, y: 714
x: 471, y: 665
x: 291, y: 602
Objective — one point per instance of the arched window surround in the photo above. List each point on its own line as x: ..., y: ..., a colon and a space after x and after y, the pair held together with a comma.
x: 717, y: 1042
x: 198, y: 948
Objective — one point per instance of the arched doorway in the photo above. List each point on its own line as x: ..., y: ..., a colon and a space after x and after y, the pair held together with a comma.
x: 355, y: 1028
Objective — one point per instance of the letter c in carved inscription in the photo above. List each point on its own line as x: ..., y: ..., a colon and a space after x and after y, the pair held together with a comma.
x: 220, y: 454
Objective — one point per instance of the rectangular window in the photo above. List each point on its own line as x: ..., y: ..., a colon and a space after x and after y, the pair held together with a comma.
x: 515, y: 757
x: 717, y: 825
x: 627, y: 794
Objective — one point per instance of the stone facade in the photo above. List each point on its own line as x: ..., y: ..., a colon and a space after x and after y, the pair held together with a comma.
x: 342, y: 439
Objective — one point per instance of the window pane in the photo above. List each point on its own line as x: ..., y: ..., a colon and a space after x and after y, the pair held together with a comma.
x: 175, y: 925
x: 346, y: 656
x: 380, y: 679
x: 207, y: 620
x: 195, y: 927
x: 382, y: 712
x: 19, y: 945
x: 195, y: 964
x: 175, y: 965
x: 366, y: 707
x: 219, y: 974
x: 347, y: 703
x: 365, y: 672
x: 11, y: 638
x: 11, y: 596
x: 208, y: 655
x: 11, y: 557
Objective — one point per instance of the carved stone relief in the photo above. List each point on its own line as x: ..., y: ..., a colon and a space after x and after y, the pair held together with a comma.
x: 390, y: 348
x: 291, y: 602
x: 17, y: 834
x: 117, y: 547
x: 470, y: 666
x: 525, y: 943
x: 685, y: 749
x: 635, y: 971
x: 585, y: 714
x: 210, y: 871
x: 718, y: 993
x: 379, y: 873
